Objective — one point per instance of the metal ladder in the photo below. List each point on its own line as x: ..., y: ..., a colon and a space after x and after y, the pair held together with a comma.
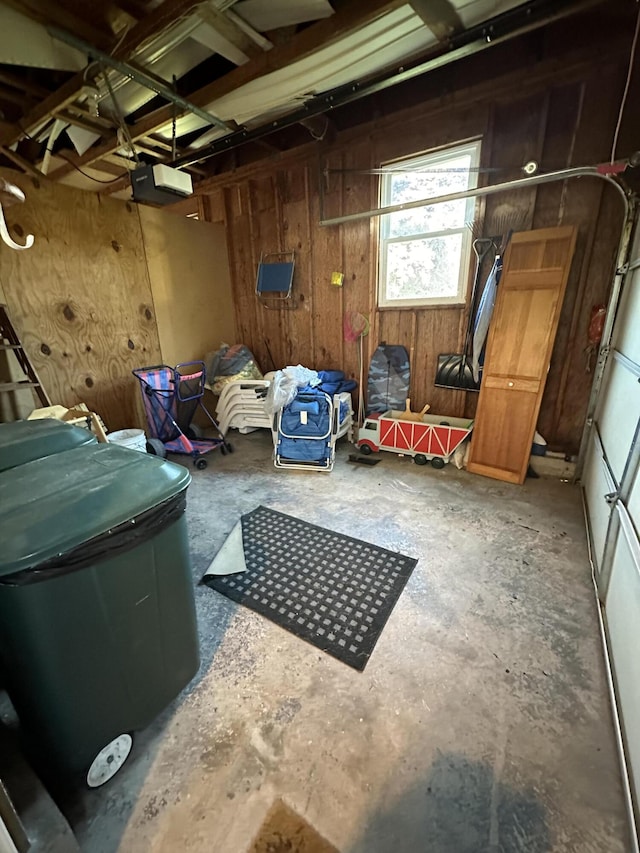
x: 9, y: 340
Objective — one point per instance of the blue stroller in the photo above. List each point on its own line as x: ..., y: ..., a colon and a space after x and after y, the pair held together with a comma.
x: 171, y: 396
x: 305, y: 431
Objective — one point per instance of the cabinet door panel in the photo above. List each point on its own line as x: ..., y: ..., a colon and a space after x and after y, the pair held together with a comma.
x: 522, y: 321
x: 502, y: 446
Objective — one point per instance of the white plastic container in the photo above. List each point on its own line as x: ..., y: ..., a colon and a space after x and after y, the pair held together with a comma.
x: 133, y: 439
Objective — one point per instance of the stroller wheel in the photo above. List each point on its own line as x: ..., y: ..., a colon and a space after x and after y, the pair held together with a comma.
x: 228, y: 447
x: 223, y: 449
x: 193, y: 432
x: 200, y: 463
x: 156, y: 448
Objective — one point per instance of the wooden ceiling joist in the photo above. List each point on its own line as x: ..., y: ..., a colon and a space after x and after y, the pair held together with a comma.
x: 45, y: 12
x: 20, y: 162
x: 352, y: 17
x: 117, y: 170
x: 441, y: 16
x: 229, y: 31
x: 23, y: 85
x: 165, y: 14
x: 9, y: 94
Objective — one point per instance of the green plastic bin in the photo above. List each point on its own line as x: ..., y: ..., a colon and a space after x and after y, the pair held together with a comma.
x: 97, y: 615
x: 24, y: 441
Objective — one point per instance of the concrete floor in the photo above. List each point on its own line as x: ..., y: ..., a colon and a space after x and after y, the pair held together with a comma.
x: 481, y: 722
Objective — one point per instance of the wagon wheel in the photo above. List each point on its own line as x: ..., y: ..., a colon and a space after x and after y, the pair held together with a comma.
x: 420, y: 459
x: 109, y: 760
x: 365, y: 449
x: 156, y: 448
x: 437, y: 462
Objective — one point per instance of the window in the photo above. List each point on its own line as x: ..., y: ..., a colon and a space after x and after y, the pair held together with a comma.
x: 425, y: 251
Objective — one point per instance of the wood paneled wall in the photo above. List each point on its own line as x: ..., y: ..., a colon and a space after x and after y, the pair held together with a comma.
x: 559, y: 120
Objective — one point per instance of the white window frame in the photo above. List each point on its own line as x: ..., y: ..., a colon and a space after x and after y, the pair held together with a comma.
x: 435, y: 159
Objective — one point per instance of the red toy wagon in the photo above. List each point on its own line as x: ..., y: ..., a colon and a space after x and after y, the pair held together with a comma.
x: 433, y: 437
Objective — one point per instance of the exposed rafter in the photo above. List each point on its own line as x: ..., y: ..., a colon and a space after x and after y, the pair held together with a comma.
x: 162, y: 17
x: 440, y: 16
x: 230, y: 31
x: 167, y: 14
x: 352, y: 17
x: 45, y: 12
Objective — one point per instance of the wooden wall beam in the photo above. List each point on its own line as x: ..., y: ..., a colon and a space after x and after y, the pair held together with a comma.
x: 535, y: 113
x: 527, y: 81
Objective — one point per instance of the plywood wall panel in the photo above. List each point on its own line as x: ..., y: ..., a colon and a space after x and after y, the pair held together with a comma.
x: 80, y: 298
x: 190, y: 284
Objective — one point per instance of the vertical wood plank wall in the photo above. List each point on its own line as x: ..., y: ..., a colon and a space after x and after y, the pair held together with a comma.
x: 275, y: 207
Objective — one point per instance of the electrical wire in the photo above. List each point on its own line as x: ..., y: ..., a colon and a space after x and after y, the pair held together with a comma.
x: 87, y: 175
x: 626, y: 88
x: 71, y: 163
x: 121, y: 122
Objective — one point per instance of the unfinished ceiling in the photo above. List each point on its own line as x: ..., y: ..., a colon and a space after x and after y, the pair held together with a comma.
x: 88, y: 91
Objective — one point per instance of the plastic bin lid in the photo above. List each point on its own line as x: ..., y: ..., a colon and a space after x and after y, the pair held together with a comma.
x: 53, y: 505
x: 24, y: 441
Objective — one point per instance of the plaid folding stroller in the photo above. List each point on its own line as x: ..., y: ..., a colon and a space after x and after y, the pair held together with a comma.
x: 171, y: 396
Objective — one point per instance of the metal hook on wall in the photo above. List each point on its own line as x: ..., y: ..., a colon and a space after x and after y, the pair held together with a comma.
x: 11, y: 194
x: 4, y: 233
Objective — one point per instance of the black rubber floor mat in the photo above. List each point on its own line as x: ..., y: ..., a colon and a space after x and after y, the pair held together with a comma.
x: 332, y: 590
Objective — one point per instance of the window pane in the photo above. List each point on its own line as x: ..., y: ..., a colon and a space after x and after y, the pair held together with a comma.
x: 445, y: 177
x: 424, y: 269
